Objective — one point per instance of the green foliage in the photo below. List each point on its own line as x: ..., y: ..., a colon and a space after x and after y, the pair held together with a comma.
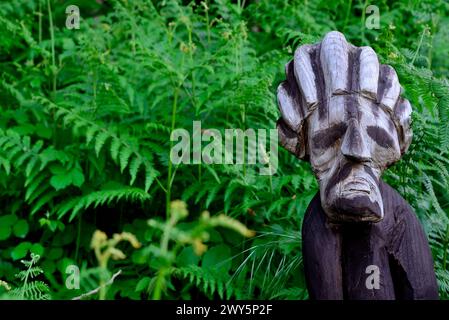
x: 31, y: 289
x: 209, y: 281
x: 216, y: 261
x: 85, y: 138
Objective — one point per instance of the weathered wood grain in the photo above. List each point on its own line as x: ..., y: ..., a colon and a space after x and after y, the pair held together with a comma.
x: 305, y: 76
x: 369, y: 72
x: 334, y: 62
x: 390, y: 87
x: 336, y: 256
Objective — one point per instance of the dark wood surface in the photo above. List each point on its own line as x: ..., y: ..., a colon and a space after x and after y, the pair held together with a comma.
x: 336, y: 256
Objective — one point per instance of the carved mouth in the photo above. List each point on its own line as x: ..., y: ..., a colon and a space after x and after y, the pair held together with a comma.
x: 357, y: 186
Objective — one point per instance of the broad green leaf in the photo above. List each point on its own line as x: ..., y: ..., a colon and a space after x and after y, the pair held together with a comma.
x: 218, y: 258
x: 143, y: 284
x: 61, y: 181
x: 5, y: 232
x: 187, y: 257
x: 21, y: 228
x: 20, y: 251
x: 8, y: 220
x: 77, y: 176
x: 37, y: 248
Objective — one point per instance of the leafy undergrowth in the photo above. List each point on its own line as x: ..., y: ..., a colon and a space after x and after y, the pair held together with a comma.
x: 85, y: 140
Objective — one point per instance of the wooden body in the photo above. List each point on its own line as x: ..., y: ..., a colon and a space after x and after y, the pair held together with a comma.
x: 336, y: 257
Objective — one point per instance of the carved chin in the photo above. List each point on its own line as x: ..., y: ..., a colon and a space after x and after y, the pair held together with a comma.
x: 359, y: 208
x: 355, y: 199
x: 354, y: 205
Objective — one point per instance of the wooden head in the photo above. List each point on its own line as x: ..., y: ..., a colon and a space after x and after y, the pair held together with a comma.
x: 342, y: 111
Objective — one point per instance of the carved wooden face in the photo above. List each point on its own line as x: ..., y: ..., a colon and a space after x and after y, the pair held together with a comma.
x: 342, y: 111
x: 348, y: 150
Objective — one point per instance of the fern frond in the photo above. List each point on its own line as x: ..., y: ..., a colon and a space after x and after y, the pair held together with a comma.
x: 123, y: 149
x: 207, y: 281
x: 101, y: 197
x: 31, y: 289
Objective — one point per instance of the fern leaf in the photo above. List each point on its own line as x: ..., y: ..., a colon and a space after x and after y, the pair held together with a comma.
x: 6, y: 164
x: 100, y: 140
x: 90, y: 133
x: 101, y: 197
x: 150, y: 175
x: 125, y: 153
x: 136, y: 162
x: 115, y: 147
x: 42, y: 201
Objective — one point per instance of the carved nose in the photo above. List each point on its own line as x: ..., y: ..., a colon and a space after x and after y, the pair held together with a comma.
x: 354, y: 146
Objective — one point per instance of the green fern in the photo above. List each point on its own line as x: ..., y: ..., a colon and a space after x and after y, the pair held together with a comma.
x: 123, y: 150
x: 31, y: 289
x: 100, y: 198
x: 87, y: 116
x: 208, y: 281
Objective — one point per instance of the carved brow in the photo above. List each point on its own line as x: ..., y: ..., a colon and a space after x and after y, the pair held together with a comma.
x: 380, y: 136
x: 326, y: 138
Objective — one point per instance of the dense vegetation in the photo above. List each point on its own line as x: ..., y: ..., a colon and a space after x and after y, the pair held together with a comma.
x: 85, y: 122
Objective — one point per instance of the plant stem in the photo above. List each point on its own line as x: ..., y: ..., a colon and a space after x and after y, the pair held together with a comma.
x: 25, y: 282
x: 446, y: 244
x: 189, y: 30
x: 362, y: 33
x: 207, y: 22
x: 133, y: 32
x: 52, y: 39
x: 270, y: 176
x: 419, y: 45
x: 157, y: 293
x: 78, y: 237
x: 98, y: 289
x: 348, y: 11
x: 103, y: 268
x: 166, y: 235
x: 170, y: 165
x: 40, y: 21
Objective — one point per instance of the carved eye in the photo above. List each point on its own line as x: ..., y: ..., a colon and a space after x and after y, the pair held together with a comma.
x: 327, y: 138
x: 380, y: 136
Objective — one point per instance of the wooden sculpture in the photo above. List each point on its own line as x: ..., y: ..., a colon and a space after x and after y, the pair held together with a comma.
x: 342, y: 111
